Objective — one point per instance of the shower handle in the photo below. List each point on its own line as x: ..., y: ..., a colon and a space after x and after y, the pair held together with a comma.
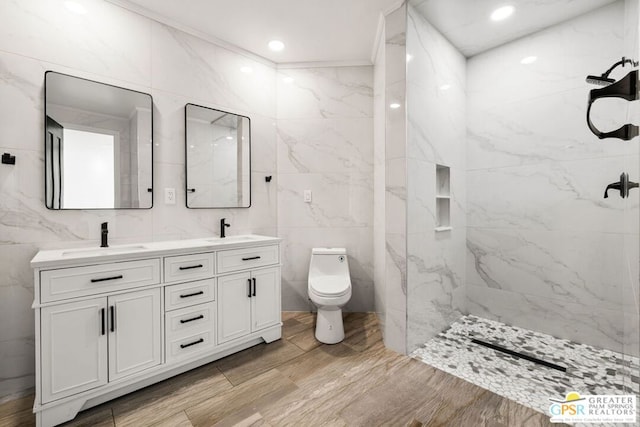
x: 624, y: 185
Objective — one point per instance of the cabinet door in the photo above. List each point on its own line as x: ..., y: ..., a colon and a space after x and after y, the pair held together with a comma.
x: 73, y: 348
x: 134, y: 332
x: 265, y: 303
x: 234, y: 306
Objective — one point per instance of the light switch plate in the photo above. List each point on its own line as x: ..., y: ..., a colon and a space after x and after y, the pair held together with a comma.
x: 307, y: 196
x: 169, y: 196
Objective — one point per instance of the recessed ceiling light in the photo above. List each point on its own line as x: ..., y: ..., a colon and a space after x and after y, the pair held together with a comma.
x: 394, y: 105
x: 502, y: 13
x: 246, y: 69
x: 276, y: 45
x: 528, y: 60
x: 288, y: 80
x: 74, y: 7
x: 445, y: 86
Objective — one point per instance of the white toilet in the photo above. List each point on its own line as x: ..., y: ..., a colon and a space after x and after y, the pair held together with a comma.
x: 329, y: 289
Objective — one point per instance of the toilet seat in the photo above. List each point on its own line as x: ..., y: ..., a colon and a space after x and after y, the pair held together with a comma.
x: 330, y: 286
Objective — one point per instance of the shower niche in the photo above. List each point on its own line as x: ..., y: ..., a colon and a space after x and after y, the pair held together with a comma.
x: 443, y: 198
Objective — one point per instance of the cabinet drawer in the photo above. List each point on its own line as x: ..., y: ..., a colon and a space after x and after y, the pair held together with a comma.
x: 188, y: 267
x: 240, y: 259
x: 186, y: 346
x: 64, y: 283
x: 188, y: 321
x: 188, y: 294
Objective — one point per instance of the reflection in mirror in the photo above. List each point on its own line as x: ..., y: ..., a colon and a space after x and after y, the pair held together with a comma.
x: 218, y: 158
x: 98, y: 145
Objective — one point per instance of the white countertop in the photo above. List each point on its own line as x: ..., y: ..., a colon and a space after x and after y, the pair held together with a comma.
x: 95, y: 254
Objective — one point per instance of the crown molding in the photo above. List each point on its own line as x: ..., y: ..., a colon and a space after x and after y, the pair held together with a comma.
x: 324, y: 64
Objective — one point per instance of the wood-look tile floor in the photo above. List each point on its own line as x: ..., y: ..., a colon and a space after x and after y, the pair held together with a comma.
x: 297, y: 381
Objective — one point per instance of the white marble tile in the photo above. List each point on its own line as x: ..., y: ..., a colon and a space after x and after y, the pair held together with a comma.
x: 325, y: 92
x: 263, y: 144
x: 338, y: 200
x: 566, y: 54
x: 395, y: 123
x: 298, y: 242
x: 396, y: 271
x: 192, y: 67
x: 107, y: 40
x: 552, y: 196
x: 325, y: 145
x: 395, y: 38
x: 435, y: 283
x: 395, y: 334
x: 396, y: 196
x: 436, y: 96
x: 543, y: 129
x: 576, y: 267
x: 574, y: 321
x: 295, y: 296
x: 17, y: 361
x: 421, y: 196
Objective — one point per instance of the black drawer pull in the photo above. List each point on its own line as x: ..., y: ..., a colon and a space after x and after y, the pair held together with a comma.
x: 192, y: 343
x: 102, y: 321
x: 192, y: 295
x: 190, y: 267
x: 112, y: 309
x: 192, y: 319
x: 106, y: 278
x: 250, y: 258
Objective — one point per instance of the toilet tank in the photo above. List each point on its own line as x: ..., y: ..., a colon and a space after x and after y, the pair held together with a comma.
x: 328, y: 262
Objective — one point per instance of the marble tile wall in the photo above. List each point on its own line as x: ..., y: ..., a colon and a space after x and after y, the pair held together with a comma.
x: 436, y: 135
x: 395, y: 205
x: 111, y: 45
x: 379, y: 160
x: 325, y: 144
x: 545, y: 250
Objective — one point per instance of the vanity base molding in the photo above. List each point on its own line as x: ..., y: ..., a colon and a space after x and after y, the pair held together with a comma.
x: 112, y: 321
x: 64, y: 410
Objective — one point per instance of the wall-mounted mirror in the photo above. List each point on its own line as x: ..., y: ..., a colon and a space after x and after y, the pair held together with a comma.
x: 98, y: 145
x: 218, y: 158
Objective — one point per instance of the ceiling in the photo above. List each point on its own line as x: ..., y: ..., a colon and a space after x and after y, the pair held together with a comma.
x: 312, y: 30
x: 344, y: 31
x: 466, y: 23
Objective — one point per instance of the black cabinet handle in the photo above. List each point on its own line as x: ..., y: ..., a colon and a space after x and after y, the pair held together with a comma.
x: 190, y: 267
x: 192, y: 319
x: 112, y: 311
x: 106, y: 278
x: 191, y: 190
x: 249, y: 280
x: 254, y: 286
x: 192, y: 295
x: 103, y: 325
x: 191, y: 343
x: 250, y: 258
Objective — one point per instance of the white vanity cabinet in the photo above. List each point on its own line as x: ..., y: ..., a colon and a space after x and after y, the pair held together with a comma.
x: 110, y: 321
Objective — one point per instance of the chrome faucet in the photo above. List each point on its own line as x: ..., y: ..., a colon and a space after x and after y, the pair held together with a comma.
x: 223, y: 225
x: 104, y: 231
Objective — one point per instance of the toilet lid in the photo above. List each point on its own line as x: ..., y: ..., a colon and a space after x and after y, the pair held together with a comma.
x: 330, y: 286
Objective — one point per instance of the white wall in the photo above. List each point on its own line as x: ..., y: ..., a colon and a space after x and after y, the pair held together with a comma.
x: 436, y: 135
x: 545, y: 249
x: 325, y: 144
x: 111, y: 45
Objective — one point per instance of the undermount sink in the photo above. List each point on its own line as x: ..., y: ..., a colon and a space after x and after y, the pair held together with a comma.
x: 234, y: 239
x: 103, y: 251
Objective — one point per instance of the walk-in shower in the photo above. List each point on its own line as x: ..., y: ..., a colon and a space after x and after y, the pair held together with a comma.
x: 535, y: 263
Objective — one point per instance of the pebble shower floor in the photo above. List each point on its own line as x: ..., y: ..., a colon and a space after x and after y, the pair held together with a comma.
x: 590, y: 370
